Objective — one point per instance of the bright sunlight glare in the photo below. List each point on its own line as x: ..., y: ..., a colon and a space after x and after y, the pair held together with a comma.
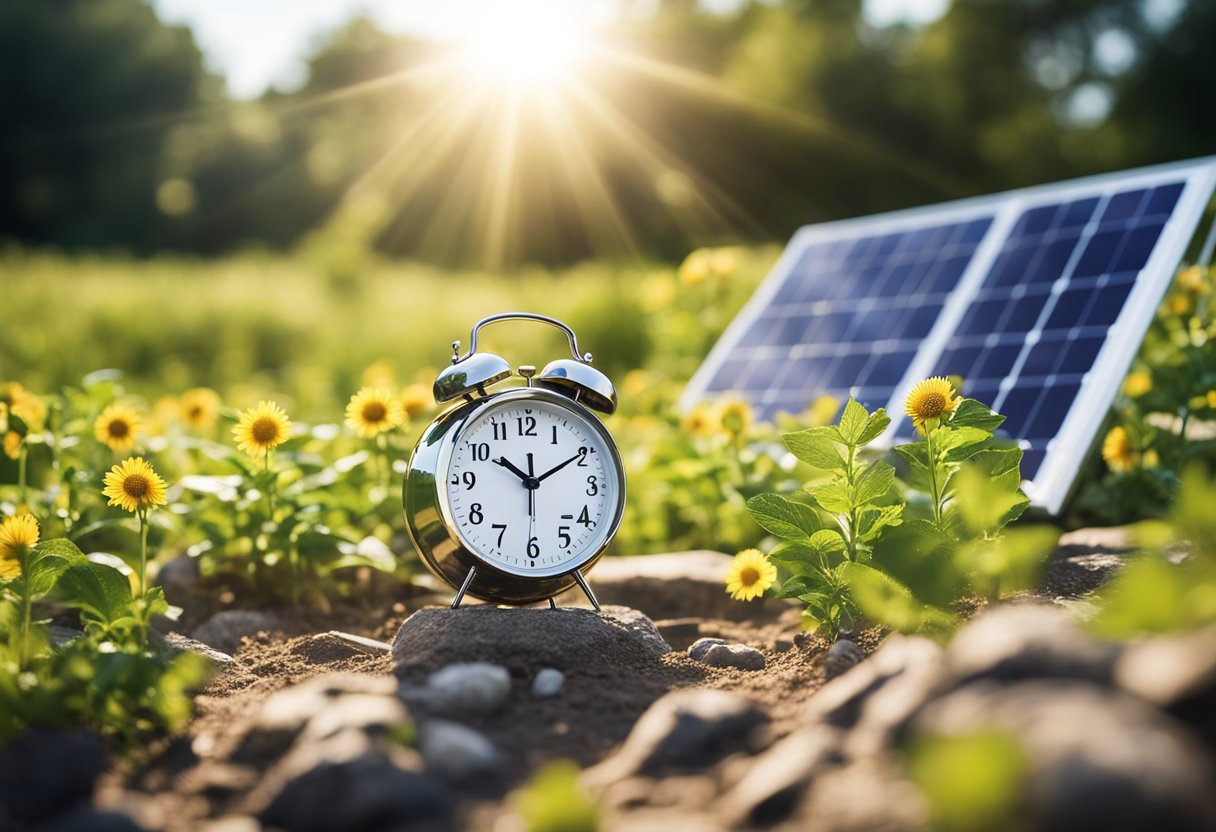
x: 526, y: 42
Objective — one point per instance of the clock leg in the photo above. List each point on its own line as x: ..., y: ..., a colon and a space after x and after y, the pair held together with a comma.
x: 552, y: 603
x: 464, y: 587
x: 582, y: 583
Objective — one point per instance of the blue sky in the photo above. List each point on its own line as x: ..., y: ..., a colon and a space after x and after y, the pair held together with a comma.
x: 260, y: 43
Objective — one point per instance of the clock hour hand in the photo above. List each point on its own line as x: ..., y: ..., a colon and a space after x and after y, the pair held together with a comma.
x: 505, y: 463
x: 557, y: 468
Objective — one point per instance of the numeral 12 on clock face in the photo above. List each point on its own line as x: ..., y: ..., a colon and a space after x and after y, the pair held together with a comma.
x: 532, y: 487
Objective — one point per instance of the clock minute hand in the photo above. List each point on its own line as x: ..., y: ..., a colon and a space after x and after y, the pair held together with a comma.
x: 557, y: 468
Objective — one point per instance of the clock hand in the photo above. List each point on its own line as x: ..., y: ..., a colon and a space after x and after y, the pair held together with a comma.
x: 502, y: 460
x: 557, y: 468
x: 531, y: 483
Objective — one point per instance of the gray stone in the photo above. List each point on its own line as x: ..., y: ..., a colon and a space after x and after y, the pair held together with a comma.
x: 734, y: 655
x: 840, y: 701
x: 841, y: 656
x: 180, y: 579
x: 225, y: 629
x: 456, y: 752
x: 1176, y: 673
x: 674, y: 585
x: 465, y: 688
x: 1098, y: 759
x: 548, y: 683
x: 869, y: 795
x: 44, y: 772
x: 1027, y: 641
x: 357, y: 644
x: 776, y: 779
x: 566, y: 638
x: 183, y: 644
x: 684, y: 728
x: 701, y: 646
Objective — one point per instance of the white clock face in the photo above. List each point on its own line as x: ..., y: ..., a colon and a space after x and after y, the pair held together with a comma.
x: 533, y: 487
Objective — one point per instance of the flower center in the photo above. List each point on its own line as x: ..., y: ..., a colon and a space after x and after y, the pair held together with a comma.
x: 749, y: 575
x: 195, y: 411
x: 374, y: 412
x: 136, y: 486
x: 932, y: 405
x: 264, y: 430
x: 119, y: 429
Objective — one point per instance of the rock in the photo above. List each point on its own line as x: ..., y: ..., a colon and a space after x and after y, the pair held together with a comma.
x: 375, y: 714
x: 45, y: 772
x: 701, y: 646
x: 366, y: 791
x: 734, y: 655
x: 868, y: 795
x: 225, y: 629
x: 783, y: 645
x: 356, y: 644
x: 840, y: 701
x: 180, y: 579
x: 1098, y: 759
x: 684, y: 728
x: 548, y: 683
x: 566, y: 638
x: 286, y: 713
x: 1178, y: 674
x: 456, y: 752
x: 465, y: 688
x: 776, y: 779
x: 840, y: 657
x: 674, y: 585
x: 183, y: 644
x: 1027, y: 641
x: 94, y: 820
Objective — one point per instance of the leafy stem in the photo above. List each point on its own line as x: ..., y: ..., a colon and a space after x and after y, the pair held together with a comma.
x: 143, y: 572
x: 934, y: 487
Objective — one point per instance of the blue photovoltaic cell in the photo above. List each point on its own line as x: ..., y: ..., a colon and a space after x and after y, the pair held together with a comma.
x: 848, y: 317
x: 1044, y: 309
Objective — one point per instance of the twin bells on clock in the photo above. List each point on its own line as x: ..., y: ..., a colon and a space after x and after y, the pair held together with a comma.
x: 513, y: 493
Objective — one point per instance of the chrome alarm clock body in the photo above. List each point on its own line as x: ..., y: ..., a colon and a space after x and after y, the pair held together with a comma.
x: 511, y: 496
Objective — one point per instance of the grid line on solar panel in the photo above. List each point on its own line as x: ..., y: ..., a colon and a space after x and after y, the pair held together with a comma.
x: 1043, y: 312
x: 848, y: 316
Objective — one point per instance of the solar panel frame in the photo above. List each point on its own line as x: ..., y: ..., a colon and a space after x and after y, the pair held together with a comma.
x: 1065, y: 454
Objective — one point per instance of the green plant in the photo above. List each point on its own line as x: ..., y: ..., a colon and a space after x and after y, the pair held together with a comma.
x: 553, y: 802
x: 855, y: 502
x: 972, y: 781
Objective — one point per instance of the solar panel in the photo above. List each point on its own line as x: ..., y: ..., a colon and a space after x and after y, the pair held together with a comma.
x: 1038, y: 298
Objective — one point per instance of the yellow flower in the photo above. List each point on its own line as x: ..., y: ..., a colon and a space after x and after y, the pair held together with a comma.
x: 12, y: 445
x: 1179, y: 303
x: 930, y: 399
x: 1192, y: 280
x: 1118, y: 451
x: 17, y: 536
x: 724, y: 262
x: 374, y: 410
x: 750, y: 575
x: 200, y: 407
x: 24, y: 404
x: 262, y: 428
x: 134, y: 485
x: 416, y: 399
x: 379, y: 374
x: 696, y: 267
x: 1137, y: 384
x: 117, y: 426
x: 702, y: 420
x: 735, y: 416
x: 822, y: 411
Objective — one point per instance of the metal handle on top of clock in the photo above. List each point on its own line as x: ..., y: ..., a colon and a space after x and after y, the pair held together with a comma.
x: 519, y: 316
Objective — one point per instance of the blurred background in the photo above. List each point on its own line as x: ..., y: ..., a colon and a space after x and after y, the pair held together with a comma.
x: 267, y: 196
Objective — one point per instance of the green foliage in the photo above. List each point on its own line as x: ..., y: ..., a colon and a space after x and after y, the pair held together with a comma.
x: 1153, y: 595
x: 972, y: 781
x: 823, y: 541
x: 552, y: 801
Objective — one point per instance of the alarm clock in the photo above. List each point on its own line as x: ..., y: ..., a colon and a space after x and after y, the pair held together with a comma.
x: 512, y: 495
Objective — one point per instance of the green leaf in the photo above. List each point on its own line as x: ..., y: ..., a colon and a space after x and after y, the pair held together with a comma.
x: 889, y: 602
x: 833, y: 497
x: 872, y: 521
x: 102, y: 593
x: 874, y: 482
x: 827, y: 541
x: 47, y: 563
x: 853, y: 423
x: 958, y: 444
x: 1013, y: 562
x: 795, y: 586
x: 798, y: 556
x: 875, y: 425
x: 975, y: 414
x: 971, y: 780
x: 785, y: 518
x: 816, y: 448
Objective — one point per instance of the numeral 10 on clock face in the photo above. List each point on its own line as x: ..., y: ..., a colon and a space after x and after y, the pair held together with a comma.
x: 532, y: 486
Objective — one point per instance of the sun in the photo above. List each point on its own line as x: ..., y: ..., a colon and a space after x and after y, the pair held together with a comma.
x: 525, y: 43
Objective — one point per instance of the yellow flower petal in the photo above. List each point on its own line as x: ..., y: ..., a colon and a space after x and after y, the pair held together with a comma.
x: 134, y: 485
x: 751, y: 573
x: 262, y: 428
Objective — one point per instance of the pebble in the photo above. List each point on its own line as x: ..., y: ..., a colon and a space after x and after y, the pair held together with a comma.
x: 181, y: 644
x: 548, y: 683
x: 469, y: 688
x: 701, y: 646
x: 456, y: 752
x: 842, y: 656
x: 734, y: 655
x: 226, y: 628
